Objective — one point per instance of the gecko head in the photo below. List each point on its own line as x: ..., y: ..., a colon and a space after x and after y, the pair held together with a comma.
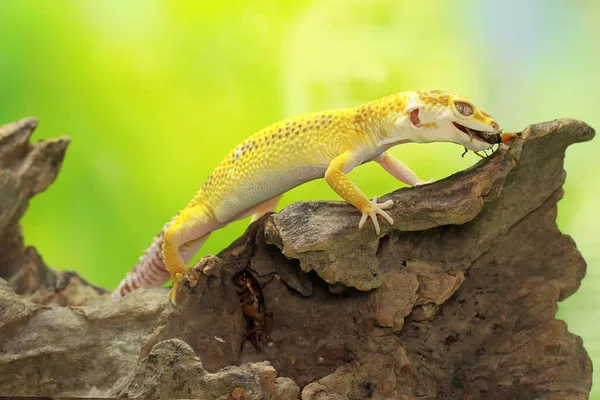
x: 439, y: 116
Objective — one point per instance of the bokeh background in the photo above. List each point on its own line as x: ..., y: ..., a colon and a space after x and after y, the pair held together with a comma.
x: 154, y: 93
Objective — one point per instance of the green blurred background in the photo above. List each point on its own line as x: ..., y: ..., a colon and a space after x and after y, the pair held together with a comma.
x: 154, y: 93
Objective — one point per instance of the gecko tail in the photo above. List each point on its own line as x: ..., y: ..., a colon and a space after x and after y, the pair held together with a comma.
x: 149, y: 272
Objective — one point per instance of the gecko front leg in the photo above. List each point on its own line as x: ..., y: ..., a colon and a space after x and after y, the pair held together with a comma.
x: 337, y: 179
x: 399, y: 170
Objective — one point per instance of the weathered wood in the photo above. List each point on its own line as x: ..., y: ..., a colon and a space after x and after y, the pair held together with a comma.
x: 456, y: 300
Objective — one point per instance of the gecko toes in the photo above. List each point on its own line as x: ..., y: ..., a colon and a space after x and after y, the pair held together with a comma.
x: 373, y: 210
x: 177, y: 278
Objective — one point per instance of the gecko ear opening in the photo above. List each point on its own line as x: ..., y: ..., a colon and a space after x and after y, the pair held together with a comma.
x: 414, y: 118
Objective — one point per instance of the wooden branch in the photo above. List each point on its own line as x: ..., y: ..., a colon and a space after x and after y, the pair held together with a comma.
x: 456, y: 300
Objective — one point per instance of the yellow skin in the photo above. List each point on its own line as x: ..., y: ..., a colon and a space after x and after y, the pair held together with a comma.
x: 254, y: 175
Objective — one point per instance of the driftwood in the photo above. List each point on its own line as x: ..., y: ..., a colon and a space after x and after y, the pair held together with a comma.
x: 456, y: 300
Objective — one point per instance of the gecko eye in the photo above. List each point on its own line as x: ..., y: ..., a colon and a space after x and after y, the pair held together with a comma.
x: 464, y: 108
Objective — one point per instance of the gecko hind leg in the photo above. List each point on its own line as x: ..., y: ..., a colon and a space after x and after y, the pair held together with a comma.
x: 188, y: 251
x: 259, y: 210
x: 183, y: 239
x: 263, y: 208
x: 188, y: 233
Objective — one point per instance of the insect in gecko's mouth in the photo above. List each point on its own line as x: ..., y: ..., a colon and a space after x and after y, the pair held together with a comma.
x: 488, y: 137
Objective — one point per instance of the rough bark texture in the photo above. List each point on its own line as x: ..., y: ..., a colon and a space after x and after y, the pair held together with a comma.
x: 456, y: 300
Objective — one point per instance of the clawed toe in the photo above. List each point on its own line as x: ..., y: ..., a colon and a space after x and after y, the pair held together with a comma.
x: 375, y: 209
x: 177, y: 278
x: 384, y: 205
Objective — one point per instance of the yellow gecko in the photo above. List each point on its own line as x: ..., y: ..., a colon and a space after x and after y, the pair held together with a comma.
x: 254, y: 175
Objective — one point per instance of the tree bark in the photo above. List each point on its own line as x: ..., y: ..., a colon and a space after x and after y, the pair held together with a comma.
x: 456, y: 300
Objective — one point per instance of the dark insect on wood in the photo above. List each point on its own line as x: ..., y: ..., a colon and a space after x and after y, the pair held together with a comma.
x: 252, y: 302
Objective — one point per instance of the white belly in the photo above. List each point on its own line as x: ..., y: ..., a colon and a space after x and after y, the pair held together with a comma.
x: 260, y: 190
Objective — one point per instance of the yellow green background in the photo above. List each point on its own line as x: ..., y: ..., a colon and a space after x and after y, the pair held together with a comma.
x: 154, y: 93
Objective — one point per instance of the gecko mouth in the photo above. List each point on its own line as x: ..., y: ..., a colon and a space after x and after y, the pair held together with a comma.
x: 488, y: 137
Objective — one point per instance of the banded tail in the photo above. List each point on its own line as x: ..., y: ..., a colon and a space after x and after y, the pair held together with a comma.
x: 193, y: 226
x: 149, y: 272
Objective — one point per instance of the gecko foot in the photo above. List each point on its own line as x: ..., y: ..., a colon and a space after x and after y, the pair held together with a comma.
x: 173, y: 292
x: 375, y: 209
